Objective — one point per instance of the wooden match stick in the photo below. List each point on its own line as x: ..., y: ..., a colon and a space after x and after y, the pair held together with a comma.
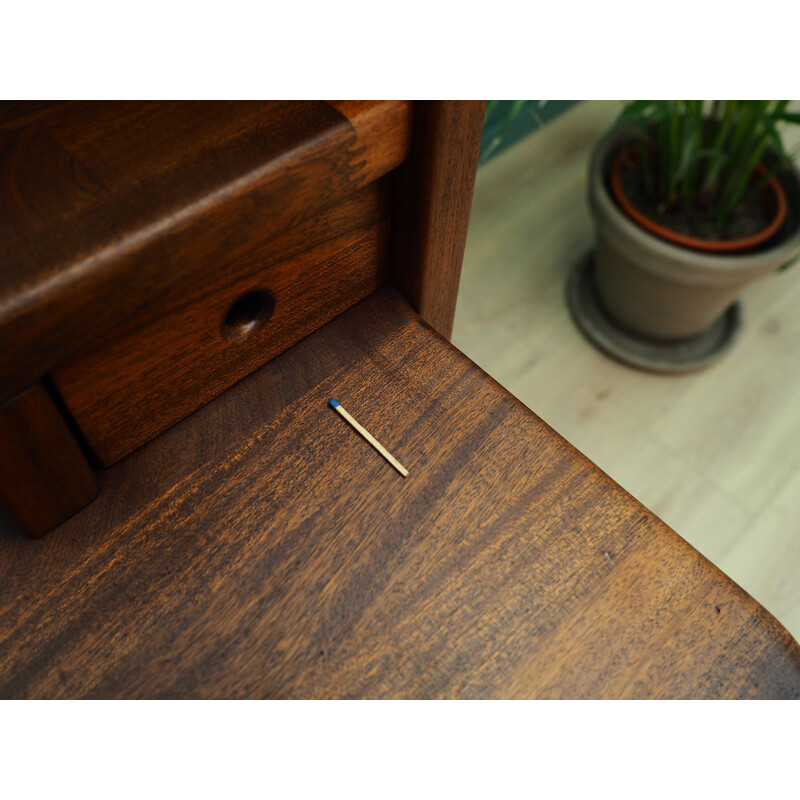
x: 334, y: 404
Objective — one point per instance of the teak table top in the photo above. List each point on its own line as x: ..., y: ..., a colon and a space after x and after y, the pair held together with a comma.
x: 261, y: 548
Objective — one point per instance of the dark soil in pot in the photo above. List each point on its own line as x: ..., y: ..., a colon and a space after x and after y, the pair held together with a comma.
x: 749, y: 218
x: 751, y: 224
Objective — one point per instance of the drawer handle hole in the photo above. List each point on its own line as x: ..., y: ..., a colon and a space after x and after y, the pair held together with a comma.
x: 248, y: 313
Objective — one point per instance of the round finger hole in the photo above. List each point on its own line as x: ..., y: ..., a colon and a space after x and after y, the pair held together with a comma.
x: 248, y: 313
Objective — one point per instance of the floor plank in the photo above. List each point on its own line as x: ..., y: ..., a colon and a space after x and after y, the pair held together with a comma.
x: 766, y: 556
x: 715, y: 454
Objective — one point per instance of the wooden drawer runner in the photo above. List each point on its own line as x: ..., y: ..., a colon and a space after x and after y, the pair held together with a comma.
x: 133, y: 388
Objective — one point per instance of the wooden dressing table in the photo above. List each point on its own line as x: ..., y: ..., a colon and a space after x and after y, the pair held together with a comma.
x: 183, y: 286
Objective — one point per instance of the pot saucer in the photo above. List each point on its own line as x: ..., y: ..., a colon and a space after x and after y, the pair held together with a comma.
x: 638, y: 351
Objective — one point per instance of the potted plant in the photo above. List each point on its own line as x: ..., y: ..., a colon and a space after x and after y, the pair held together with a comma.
x: 692, y: 201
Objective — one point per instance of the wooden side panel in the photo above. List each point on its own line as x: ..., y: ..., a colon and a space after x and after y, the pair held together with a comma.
x: 261, y: 548
x: 432, y: 208
x: 44, y: 477
x: 137, y: 386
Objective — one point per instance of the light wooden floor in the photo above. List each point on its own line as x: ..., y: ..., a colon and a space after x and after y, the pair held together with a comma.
x: 715, y: 454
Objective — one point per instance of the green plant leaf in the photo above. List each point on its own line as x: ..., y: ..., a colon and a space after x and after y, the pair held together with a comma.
x: 774, y: 135
x: 703, y: 154
x: 736, y: 191
x: 512, y: 114
x: 787, y: 117
x: 790, y: 263
x: 636, y: 110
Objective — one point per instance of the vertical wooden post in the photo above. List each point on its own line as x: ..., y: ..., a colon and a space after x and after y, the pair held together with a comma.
x: 44, y: 476
x: 432, y: 204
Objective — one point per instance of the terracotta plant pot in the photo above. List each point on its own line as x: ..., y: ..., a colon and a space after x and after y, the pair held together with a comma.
x: 664, y: 290
x: 772, y: 195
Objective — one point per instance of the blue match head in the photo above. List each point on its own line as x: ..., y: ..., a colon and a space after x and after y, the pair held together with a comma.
x: 333, y: 403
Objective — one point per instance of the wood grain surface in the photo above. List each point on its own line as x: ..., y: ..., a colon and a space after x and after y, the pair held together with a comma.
x: 383, y: 134
x: 44, y: 477
x: 108, y: 211
x: 139, y: 384
x: 432, y: 206
x: 260, y: 548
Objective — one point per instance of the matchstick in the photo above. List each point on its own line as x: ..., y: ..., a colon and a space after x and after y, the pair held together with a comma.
x: 334, y: 404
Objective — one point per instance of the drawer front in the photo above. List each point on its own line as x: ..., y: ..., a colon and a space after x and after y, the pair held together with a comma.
x: 135, y: 387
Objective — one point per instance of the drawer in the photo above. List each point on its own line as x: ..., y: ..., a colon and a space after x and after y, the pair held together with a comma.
x: 138, y: 385
x: 115, y: 212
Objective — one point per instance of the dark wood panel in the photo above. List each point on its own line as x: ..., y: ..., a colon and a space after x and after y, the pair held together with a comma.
x: 41, y: 181
x: 172, y: 141
x: 383, y: 134
x: 138, y: 385
x: 44, y: 477
x: 16, y: 113
x: 140, y: 200
x: 260, y: 548
x: 434, y: 198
